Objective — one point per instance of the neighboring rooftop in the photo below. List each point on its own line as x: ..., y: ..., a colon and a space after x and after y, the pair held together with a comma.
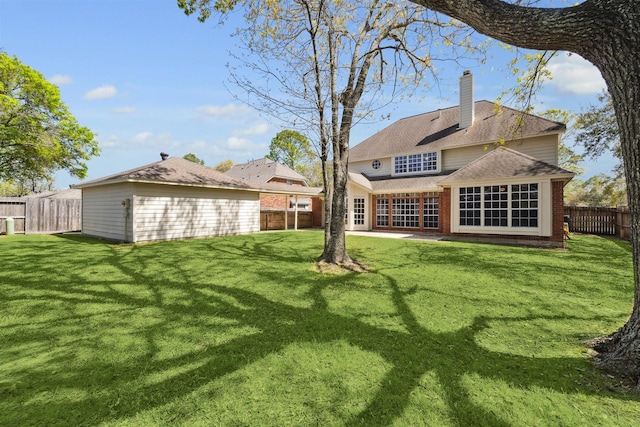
x: 439, y: 130
x: 264, y: 170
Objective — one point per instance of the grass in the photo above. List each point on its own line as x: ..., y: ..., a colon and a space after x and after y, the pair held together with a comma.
x: 241, y: 331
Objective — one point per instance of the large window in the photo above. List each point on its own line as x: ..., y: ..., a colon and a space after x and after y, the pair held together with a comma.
x: 430, y: 210
x: 496, y: 206
x: 382, y: 212
x: 408, y: 210
x: 405, y: 211
x: 470, y: 206
x: 414, y: 163
x: 499, y: 205
x: 524, y: 205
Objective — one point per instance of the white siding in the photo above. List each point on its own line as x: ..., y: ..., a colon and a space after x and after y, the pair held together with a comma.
x: 386, y: 167
x: 542, y: 148
x: 164, y: 212
x: 103, y: 214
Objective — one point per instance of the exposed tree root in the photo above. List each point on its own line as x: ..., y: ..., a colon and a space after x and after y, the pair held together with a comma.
x: 350, y: 266
x: 619, y: 354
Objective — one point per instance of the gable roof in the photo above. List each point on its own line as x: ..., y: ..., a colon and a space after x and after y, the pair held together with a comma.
x: 502, y: 163
x: 178, y: 171
x: 174, y: 170
x: 438, y: 130
x: 263, y: 170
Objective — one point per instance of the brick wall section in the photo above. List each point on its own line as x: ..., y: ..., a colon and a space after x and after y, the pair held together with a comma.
x: 445, y: 212
x: 557, y: 201
x: 273, y: 201
x: 318, y: 211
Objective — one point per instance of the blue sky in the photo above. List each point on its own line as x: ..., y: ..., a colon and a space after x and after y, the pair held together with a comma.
x: 146, y: 78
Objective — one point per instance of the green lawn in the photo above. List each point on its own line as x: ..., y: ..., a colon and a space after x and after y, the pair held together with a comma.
x: 241, y: 331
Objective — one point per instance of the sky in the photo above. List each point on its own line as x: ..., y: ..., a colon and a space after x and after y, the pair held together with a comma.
x: 145, y: 78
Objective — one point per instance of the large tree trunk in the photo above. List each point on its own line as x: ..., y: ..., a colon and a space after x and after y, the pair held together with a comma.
x: 605, y: 32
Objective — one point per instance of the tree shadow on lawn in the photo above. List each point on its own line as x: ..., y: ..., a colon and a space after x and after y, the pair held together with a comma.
x: 412, y: 353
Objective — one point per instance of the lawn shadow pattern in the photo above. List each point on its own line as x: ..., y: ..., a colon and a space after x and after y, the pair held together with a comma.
x: 411, y: 353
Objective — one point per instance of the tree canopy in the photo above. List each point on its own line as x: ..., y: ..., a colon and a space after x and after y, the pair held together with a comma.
x: 38, y: 134
x: 292, y: 149
x: 224, y: 165
x: 325, y: 65
x: 193, y: 158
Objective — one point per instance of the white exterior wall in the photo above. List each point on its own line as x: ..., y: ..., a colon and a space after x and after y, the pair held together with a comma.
x: 544, y: 209
x: 386, y: 167
x: 164, y: 212
x: 353, y: 192
x: 542, y: 148
x: 103, y: 214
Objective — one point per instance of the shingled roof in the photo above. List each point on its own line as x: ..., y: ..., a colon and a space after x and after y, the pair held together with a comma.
x: 263, y: 170
x: 178, y: 171
x: 439, y: 130
x: 502, y: 163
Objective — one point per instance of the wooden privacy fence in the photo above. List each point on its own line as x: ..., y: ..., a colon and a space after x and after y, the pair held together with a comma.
x: 601, y: 221
x: 41, y: 215
x: 274, y: 220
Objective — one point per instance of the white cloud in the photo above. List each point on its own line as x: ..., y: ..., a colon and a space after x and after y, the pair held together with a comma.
x: 142, y: 136
x: 236, y: 143
x: 125, y: 110
x: 259, y: 129
x: 61, y: 80
x: 106, y: 91
x: 229, y: 110
x: 574, y: 75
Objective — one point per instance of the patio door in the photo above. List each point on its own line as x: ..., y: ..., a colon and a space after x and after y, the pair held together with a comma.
x: 360, y: 213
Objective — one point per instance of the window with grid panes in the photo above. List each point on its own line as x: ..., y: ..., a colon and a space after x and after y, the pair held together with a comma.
x: 430, y: 210
x: 496, y: 206
x: 401, y: 164
x: 430, y: 162
x: 415, y: 162
x: 469, y: 206
x: 524, y: 205
x: 405, y: 211
x: 358, y: 211
x: 382, y: 212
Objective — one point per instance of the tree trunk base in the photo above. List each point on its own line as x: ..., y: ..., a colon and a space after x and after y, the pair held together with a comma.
x: 619, y: 352
x: 349, y: 266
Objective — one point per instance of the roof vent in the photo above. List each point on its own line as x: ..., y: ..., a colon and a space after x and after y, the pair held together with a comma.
x: 164, y: 155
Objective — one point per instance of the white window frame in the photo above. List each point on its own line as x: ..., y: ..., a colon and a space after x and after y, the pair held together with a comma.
x: 544, y: 203
x: 418, y: 163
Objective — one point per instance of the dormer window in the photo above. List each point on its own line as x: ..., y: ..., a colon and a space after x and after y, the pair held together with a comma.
x: 416, y: 163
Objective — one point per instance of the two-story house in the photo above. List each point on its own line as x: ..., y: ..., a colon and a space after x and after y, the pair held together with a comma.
x: 474, y: 172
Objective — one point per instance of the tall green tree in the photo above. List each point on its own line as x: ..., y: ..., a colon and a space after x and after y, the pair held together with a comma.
x: 38, y: 134
x: 324, y: 65
x: 598, y: 132
x: 606, y: 33
x: 292, y: 149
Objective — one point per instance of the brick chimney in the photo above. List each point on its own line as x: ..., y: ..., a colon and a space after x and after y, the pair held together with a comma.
x: 467, y: 110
